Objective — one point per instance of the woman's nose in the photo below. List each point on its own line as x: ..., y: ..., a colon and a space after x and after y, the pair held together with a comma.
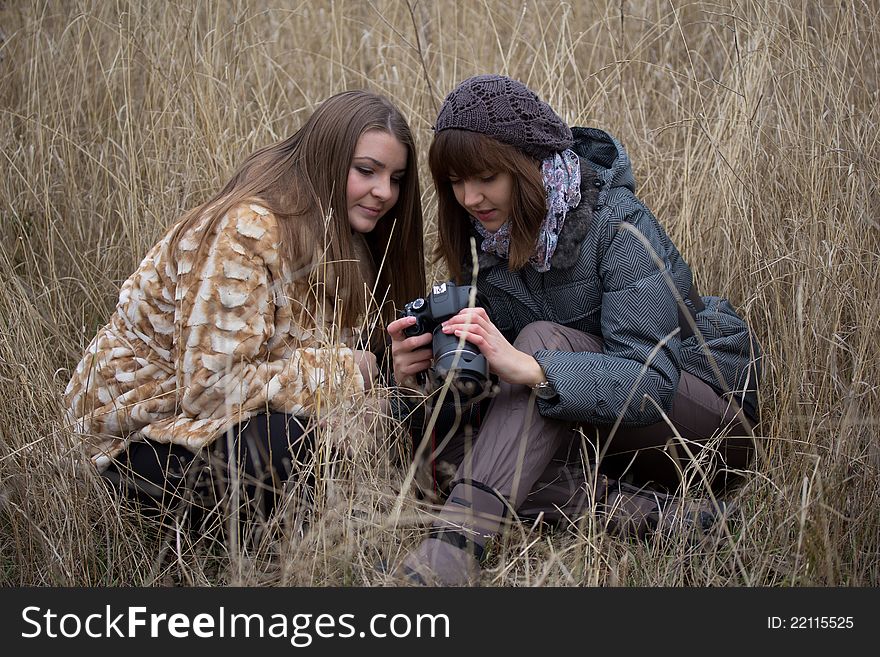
x: 472, y: 194
x: 382, y: 189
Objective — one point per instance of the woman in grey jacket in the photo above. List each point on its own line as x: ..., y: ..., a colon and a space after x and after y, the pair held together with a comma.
x: 592, y: 322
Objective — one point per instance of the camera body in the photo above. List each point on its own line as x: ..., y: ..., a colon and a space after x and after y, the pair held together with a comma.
x: 469, y: 368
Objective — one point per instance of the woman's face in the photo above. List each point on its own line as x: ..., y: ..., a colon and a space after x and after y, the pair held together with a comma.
x: 377, y: 167
x: 487, y: 197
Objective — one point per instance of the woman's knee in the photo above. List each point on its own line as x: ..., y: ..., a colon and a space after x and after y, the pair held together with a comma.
x: 157, y: 475
x: 549, y: 335
x: 535, y: 336
x: 270, y: 445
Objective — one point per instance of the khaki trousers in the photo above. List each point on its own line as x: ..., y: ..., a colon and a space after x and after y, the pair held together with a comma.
x: 546, y: 466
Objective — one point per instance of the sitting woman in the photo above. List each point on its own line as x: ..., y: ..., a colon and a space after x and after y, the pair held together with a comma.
x: 593, y: 324
x: 252, y: 319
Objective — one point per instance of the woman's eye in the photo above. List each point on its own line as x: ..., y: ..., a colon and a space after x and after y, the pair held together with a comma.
x: 489, y: 178
x: 397, y: 179
x: 454, y: 181
x: 364, y: 171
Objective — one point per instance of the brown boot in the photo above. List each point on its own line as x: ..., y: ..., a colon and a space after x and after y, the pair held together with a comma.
x: 451, y: 554
x: 629, y: 511
x: 642, y: 512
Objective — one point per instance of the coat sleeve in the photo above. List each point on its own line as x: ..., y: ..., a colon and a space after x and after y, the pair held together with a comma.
x: 226, y: 320
x: 638, y: 373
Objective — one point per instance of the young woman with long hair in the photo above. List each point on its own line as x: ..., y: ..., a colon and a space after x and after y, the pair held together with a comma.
x: 593, y: 327
x: 257, y: 315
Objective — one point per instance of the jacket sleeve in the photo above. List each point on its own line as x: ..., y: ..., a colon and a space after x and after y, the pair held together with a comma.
x: 226, y: 319
x: 638, y: 373
x: 728, y: 348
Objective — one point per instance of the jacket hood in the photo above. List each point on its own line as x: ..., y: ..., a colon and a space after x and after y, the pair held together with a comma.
x: 607, y: 156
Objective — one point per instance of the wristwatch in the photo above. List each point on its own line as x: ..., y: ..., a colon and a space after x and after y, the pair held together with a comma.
x: 544, y: 390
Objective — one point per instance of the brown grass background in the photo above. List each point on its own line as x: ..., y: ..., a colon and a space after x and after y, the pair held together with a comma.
x: 753, y: 129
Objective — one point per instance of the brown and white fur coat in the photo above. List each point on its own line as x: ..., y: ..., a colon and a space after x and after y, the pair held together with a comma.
x: 195, y: 347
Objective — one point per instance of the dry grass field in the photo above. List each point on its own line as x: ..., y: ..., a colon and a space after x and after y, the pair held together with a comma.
x: 753, y: 126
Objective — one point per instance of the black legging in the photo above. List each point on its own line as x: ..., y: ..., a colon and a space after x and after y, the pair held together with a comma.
x: 269, y: 450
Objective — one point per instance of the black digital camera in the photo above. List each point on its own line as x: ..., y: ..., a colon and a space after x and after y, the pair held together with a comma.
x: 469, y: 368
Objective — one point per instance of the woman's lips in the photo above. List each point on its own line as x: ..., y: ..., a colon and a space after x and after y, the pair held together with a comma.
x: 486, y: 215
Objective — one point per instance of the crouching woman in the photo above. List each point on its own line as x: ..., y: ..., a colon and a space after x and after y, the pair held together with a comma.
x: 595, y: 325
x: 243, y: 328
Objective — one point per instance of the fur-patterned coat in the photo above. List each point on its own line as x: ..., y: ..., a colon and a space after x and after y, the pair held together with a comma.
x: 195, y: 347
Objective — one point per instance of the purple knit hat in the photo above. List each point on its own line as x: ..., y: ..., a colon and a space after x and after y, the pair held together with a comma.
x: 508, y: 111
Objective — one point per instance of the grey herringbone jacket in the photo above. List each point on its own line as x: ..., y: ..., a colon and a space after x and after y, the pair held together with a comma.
x: 617, y: 275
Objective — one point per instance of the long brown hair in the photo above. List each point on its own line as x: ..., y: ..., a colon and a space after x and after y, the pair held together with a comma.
x: 303, y: 180
x: 467, y: 154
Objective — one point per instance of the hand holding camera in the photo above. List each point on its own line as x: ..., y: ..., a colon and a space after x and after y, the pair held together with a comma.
x: 451, y: 357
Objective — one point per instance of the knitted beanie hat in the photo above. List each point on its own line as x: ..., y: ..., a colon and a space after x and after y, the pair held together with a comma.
x: 508, y: 111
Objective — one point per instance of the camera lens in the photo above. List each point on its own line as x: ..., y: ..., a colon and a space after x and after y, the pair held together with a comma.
x: 469, y: 368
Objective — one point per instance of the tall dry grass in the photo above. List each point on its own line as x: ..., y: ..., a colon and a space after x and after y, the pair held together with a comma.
x: 753, y: 128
